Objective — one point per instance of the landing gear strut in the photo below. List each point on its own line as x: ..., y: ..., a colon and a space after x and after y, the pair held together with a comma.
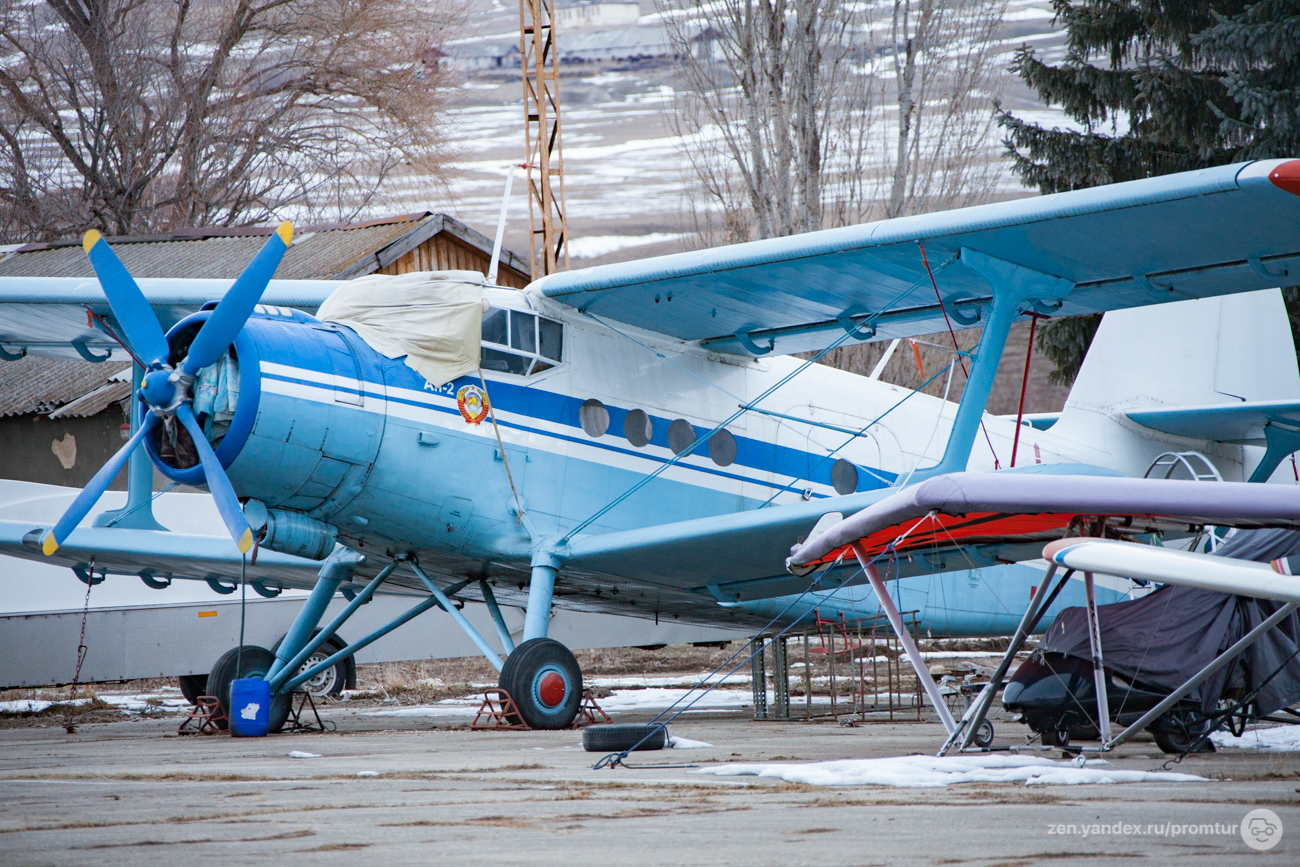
x: 543, y: 678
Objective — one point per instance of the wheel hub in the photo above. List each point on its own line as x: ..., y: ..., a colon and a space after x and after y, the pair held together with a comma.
x: 551, y: 689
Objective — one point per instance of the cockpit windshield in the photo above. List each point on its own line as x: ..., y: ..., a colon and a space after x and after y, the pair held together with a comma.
x: 518, y: 342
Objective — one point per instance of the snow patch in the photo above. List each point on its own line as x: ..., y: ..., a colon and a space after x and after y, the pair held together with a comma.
x: 299, y: 754
x: 593, y: 246
x: 929, y: 771
x: 1282, y: 739
x: 677, y: 742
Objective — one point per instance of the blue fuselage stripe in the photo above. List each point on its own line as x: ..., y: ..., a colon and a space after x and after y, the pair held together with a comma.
x: 782, y: 460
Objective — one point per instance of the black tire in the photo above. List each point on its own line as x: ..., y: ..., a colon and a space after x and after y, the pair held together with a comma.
x: 193, y: 686
x: 255, y: 662
x: 543, y: 678
x: 1056, y: 739
x: 984, y: 735
x: 1177, y: 743
x: 614, y: 738
x: 331, y: 682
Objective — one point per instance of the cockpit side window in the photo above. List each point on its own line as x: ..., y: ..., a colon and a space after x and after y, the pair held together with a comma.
x: 521, y: 343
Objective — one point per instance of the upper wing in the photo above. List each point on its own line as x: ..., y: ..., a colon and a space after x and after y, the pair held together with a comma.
x: 48, y: 315
x: 1242, y: 422
x: 1151, y: 563
x: 1190, y: 235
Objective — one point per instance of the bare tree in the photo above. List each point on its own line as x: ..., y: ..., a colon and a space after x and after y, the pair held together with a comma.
x: 946, y: 78
x: 765, y: 96
x: 141, y: 115
x: 782, y: 109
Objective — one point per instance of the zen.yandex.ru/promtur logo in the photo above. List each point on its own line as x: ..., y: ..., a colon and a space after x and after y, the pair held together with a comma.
x: 1261, y: 829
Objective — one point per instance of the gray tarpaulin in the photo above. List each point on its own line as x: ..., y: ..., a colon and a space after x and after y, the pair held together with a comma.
x: 434, y: 318
x: 1164, y: 638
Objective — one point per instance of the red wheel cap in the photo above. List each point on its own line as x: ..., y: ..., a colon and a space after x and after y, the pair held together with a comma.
x: 1287, y: 176
x: 552, y: 689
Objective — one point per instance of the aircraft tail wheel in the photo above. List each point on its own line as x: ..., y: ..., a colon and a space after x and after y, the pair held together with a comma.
x: 254, y: 662
x: 544, y: 679
x: 984, y: 735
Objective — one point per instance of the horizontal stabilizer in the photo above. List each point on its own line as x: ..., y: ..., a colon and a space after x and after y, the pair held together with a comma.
x: 1243, y: 422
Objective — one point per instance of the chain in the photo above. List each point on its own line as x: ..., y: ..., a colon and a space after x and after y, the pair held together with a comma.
x: 69, y: 714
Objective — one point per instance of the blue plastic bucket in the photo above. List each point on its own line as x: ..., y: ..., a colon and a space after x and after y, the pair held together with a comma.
x: 250, y: 708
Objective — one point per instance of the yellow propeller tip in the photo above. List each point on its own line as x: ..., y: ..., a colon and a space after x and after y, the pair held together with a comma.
x: 245, y: 541
x: 285, y: 231
x: 50, y: 545
x: 91, y: 239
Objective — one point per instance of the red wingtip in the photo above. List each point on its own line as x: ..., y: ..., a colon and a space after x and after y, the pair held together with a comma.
x: 1287, y: 177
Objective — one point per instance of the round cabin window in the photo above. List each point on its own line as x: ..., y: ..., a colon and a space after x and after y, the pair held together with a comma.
x: 722, y: 448
x: 844, y: 476
x: 594, y: 418
x: 681, y: 435
x: 637, y: 428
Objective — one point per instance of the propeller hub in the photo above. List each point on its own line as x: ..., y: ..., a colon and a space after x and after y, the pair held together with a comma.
x: 158, y: 389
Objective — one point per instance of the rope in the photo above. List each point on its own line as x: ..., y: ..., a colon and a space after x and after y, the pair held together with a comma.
x: 956, y: 348
x: 612, y: 760
x: 243, y: 612
x: 908, y: 396
x: 1024, y: 386
x: 487, y: 398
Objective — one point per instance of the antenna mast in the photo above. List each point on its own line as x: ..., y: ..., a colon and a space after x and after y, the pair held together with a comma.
x: 538, y: 56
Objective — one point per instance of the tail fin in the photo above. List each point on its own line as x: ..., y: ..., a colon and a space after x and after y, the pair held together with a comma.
x: 1204, y: 352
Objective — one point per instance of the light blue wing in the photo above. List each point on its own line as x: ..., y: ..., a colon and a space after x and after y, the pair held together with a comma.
x: 1190, y: 235
x: 47, y: 315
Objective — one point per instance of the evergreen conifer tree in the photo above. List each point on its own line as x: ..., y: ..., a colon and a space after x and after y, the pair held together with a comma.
x: 1157, y: 87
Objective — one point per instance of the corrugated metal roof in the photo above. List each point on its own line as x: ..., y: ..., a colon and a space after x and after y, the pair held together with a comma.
x: 318, y: 253
x: 40, y: 385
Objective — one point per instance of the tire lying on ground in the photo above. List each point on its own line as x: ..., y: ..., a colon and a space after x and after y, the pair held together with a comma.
x: 617, y: 737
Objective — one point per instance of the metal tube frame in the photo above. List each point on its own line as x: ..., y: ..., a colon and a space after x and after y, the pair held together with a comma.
x: 308, y: 616
x: 497, y: 662
x: 1098, y: 665
x: 298, y: 679
x: 282, y: 672
x: 970, y: 721
x: 896, y: 621
x: 503, y: 632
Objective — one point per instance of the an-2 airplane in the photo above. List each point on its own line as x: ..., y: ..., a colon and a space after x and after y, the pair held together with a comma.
x: 640, y: 441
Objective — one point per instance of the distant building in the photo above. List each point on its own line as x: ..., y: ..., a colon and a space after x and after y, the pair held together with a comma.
x: 60, y: 420
x: 593, y: 14
x: 484, y: 56
x: 337, y: 251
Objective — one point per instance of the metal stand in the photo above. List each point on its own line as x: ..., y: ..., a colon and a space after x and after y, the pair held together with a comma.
x: 203, y: 717
x: 294, y: 724
x: 896, y: 621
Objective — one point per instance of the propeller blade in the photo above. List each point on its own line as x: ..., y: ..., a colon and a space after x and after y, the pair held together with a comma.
x: 130, y: 308
x: 218, y: 484
x: 94, y: 490
x: 237, y: 305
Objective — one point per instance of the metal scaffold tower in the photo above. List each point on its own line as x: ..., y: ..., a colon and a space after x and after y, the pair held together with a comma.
x: 537, y: 51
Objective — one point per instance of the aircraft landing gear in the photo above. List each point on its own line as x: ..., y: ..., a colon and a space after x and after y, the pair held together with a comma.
x: 543, y: 678
x: 254, y: 662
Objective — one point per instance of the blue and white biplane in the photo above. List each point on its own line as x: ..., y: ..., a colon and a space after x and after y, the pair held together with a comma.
x: 640, y: 439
